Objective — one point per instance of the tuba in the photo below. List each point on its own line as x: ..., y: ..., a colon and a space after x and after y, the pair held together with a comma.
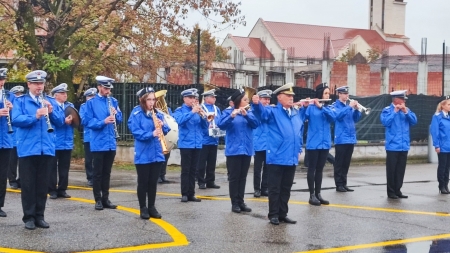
x: 171, y: 137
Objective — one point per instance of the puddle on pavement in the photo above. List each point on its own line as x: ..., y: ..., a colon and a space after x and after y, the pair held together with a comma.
x: 437, y: 246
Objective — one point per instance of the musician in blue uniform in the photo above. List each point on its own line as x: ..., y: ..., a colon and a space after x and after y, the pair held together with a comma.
x: 13, y: 177
x: 318, y: 143
x: 238, y: 124
x: 440, y: 133
x: 208, y: 154
x: 102, y: 117
x: 190, y: 141
x: 35, y: 116
x: 260, y: 145
x: 162, y: 175
x: 149, y: 156
x: 59, y: 174
x: 6, y: 140
x: 88, y: 160
x: 344, y: 137
x: 284, y: 144
x: 397, y: 119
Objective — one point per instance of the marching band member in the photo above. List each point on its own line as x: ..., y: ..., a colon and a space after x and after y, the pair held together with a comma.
x: 102, y: 116
x: 190, y: 127
x: 6, y: 141
x: 397, y: 119
x: 344, y: 137
x: 208, y: 154
x: 59, y: 174
x: 284, y: 144
x: 440, y: 132
x: 88, y: 160
x: 238, y: 124
x: 260, y: 145
x: 35, y: 116
x: 318, y: 144
x: 149, y: 156
x: 162, y: 175
x: 14, y: 180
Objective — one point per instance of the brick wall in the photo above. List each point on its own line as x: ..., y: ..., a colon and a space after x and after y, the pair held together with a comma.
x: 181, y: 77
x: 339, y: 73
x: 435, y: 83
x: 364, y: 85
x: 403, y: 81
x: 220, y: 79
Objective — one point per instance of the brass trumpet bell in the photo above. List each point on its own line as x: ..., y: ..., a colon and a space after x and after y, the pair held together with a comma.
x: 210, y: 117
x: 249, y: 92
x: 161, y: 101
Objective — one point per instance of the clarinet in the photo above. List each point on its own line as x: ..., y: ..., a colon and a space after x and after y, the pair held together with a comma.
x: 47, y: 118
x: 111, y: 113
x: 8, y: 118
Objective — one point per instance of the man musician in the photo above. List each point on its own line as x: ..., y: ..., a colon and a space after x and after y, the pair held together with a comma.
x: 397, y: 119
x: 88, y: 160
x: 35, y: 116
x: 208, y: 154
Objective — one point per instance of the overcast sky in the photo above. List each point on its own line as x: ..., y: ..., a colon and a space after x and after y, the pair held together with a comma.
x: 424, y: 18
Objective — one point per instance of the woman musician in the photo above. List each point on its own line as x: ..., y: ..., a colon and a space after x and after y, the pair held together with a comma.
x: 318, y: 143
x: 238, y: 124
x: 440, y: 133
x: 149, y: 157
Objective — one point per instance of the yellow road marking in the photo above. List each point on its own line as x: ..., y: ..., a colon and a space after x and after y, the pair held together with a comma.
x: 379, y: 244
x: 179, y: 239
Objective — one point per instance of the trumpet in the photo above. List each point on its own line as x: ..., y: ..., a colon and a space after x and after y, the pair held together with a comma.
x: 201, y: 112
x: 210, y: 117
x: 8, y: 118
x: 111, y: 113
x: 47, y: 118
x: 361, y: 108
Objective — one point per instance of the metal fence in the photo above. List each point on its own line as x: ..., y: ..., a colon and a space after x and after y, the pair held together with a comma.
x: 369, y: 128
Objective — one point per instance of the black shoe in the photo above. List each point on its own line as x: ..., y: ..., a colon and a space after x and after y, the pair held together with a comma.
x: 194, y: 199
x: 313, y: 200
x: 446, y: 187
x: 53, y: 195
x: 160, y: 180
x: 30, y: 225
x: 341, y: 189
x: 348, y: 189
x: 213, y: 185
x: 287, y: 220
x: 322, y: 201
x: 144, y: 213
x: 41, y: 224
x: 257, y: 194
x: 294, y: 182
x: 245, y: 208
x: 2, y: 213
x: 164, y: 180
x: 402, y: 196
x: 98, y: 205
x: 442, y: 190
x: 265, y: 193
x: 14, y: 185
x: 184, y: 199
x: 108, y: 204
x: 392, y: 196
x: 235, y: 209
x: 274, y: 221
x: 202, y: 186
x: 89, y: 183
x: 154, y: 213
x: 63, y: 195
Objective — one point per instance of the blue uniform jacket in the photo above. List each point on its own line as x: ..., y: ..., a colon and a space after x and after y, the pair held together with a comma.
x: 64, y: 133
x: 344, y: 126
x: 208, y: 140
x: 284, y: 133
x: 102, y: 134
x: 319, y: 132
x: 397, y: 128
x: 12, y: 98
x: 86, y: 130
x: 440, y: 132
x: 147, y: 148
x: 6, y: 139
x: 260, y: 135
x: 239, y: 136
x: 190, y: 127
x: 32, y: 136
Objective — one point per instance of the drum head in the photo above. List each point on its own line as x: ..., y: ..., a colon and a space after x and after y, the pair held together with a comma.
x: 75, y: 116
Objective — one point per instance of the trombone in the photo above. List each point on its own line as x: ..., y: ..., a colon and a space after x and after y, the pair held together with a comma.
x: 361, y: 108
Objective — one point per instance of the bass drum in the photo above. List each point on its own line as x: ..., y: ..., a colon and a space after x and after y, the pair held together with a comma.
x: 172, y: 135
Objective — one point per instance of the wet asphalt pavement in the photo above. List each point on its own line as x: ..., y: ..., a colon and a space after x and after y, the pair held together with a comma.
x: 362, y: 217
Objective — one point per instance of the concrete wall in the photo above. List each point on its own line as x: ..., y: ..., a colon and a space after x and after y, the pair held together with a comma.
x: 361, y: 152
x: 260, y: 31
